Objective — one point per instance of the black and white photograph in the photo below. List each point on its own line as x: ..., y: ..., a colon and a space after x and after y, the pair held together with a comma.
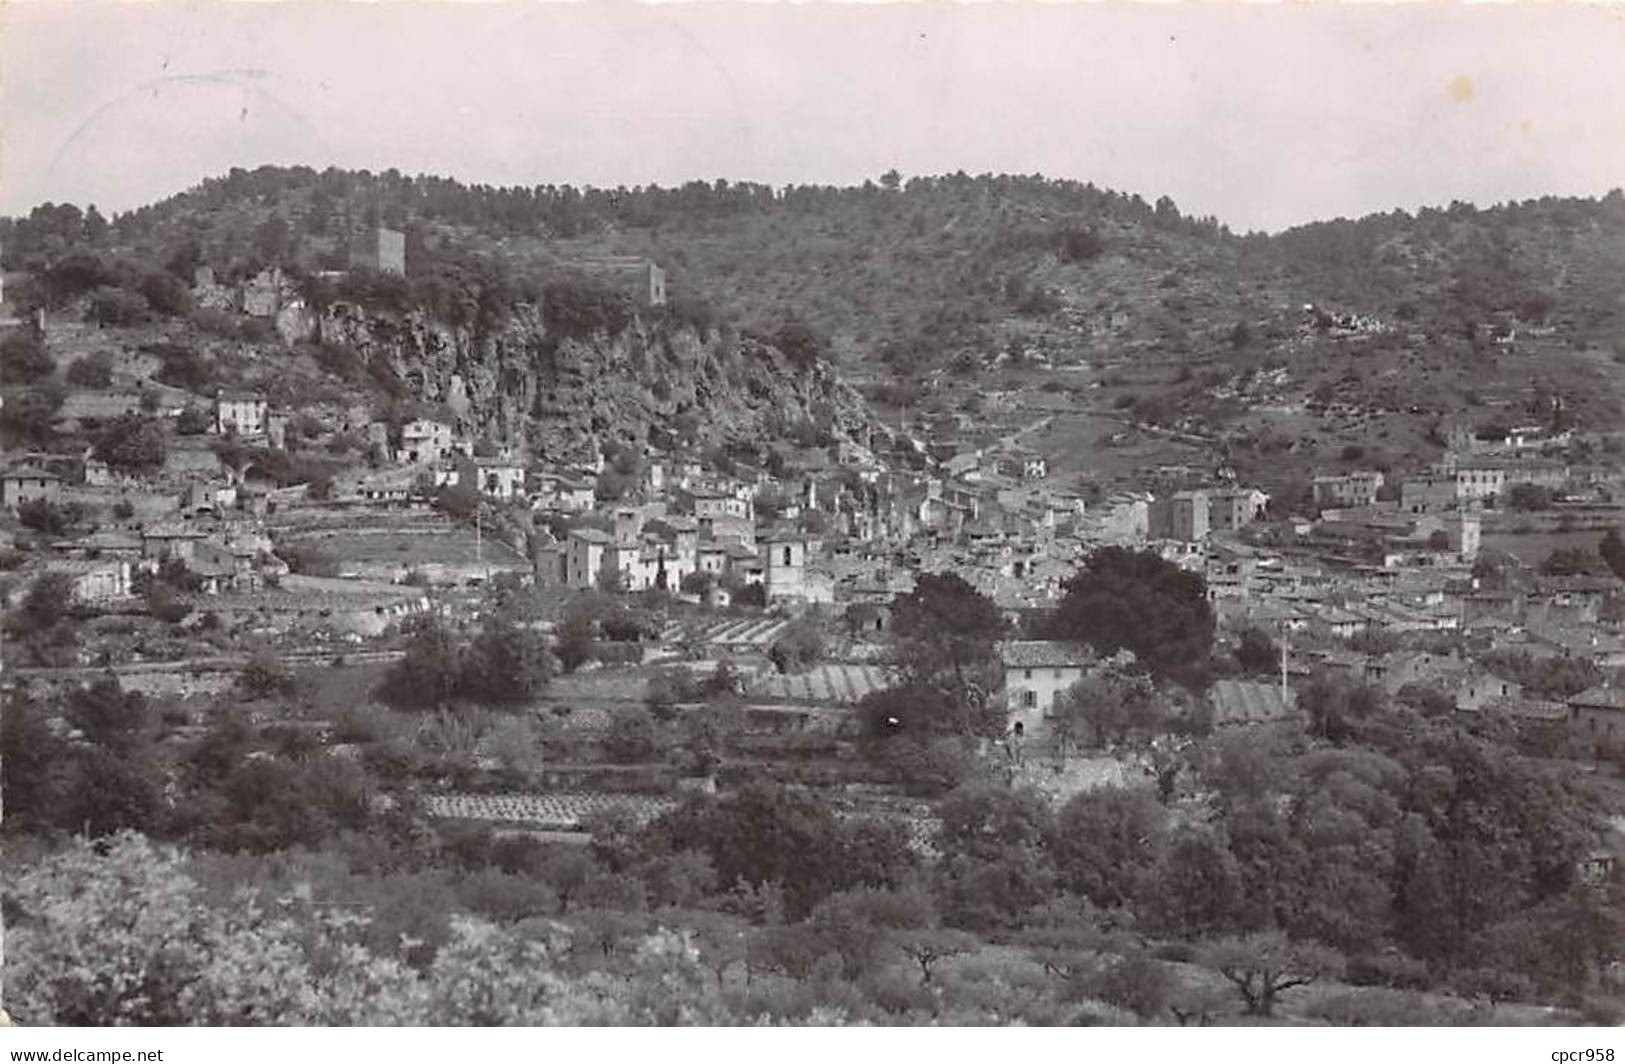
x: 812, y: 515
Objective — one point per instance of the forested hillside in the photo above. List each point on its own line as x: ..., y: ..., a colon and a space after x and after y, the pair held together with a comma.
x: 1514, y: 308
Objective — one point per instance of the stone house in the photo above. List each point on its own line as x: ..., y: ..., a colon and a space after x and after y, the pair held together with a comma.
x: 424, y: 440
x: 499, y: 478
x: 96, y: 581
x: 164, y: 542
x: 1233, y: 508
x: 28, y: 483
x: 1183, y: 516
x: 1480, y: 481
x: 1427, y: 493
x: 1597, y: 717
x: 243, y: 412
x: 1124, y: 518
x: 1354, y: 489
x: 711, y: 504
x: 1475, y: 692
x: 584, y: 551
x: 1037, y: 672
x: 1399, y: 669
x: 226, y: 566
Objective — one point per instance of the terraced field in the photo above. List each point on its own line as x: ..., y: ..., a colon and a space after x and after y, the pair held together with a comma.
x: 559, y: 811
x: 565, y: 812
x: 750, y: 633
x: 838, y: 684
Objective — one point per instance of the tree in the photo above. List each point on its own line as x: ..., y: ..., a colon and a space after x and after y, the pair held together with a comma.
x: 25, y: 357
x: 996, y: 862
x: 193, y: 421
x: 1256, y: 652
x: 1263, y: 966
x: 31, y: 755
x: 49, y: 599
x: 183, y: 367
x: 118, y: 306
x: 1528, y: 497
x: 429, y: 674
x: 799, y: 647
x: 1570, y: 561
x: 769, y: 503
x: 762, y: 834
x: 459, y: 500
x: 132, y: 442
x: 1336, y: 706
x: 92, y: 371
x: 165, y: 603
x: 132, y: 910
x: 506, y: 664
x: 45, y: 516
x: 1134, y: 600
x: 1612, y: 550
x: 32, y: 415
x: 929, y: 946
x: 1106, y: 705
x: 945, y: 637
x: 1195, y: 888
x: 114, y: 781
x: 859, y: 924
x: 801, y: 344
x: 165, y: 294
x: 108, y: 716
x: 699, y: 582
x: 1107, y: 841
x: 1488, y: 834
x: 1137, y: 982
x: 632, y: 737
x: 264, y: 676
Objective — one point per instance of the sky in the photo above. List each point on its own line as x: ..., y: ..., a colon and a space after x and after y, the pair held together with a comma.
x: 1262, y: 115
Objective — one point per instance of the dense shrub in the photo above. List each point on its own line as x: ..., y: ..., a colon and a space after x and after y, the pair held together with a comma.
x: 91, y: 371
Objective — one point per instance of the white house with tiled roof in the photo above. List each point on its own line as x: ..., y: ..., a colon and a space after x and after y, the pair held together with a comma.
x: 1037, y: 672
x: 242, y: 412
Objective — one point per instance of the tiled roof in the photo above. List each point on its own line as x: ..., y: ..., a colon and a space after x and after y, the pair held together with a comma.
x: 1527, y: 708
x: 1044, y: 654
x: 1600, y: 698
x: 1245, y: 702
x: 78, y: 565
x: 106, y: 541
x: 171, y: 532
x: 30, y: 473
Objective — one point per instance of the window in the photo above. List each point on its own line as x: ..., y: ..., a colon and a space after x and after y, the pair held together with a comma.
x: 1029, y: 698
x: 1026, y: 674
x: 787, y: 556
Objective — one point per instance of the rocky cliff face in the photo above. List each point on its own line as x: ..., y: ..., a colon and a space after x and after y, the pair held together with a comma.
x: 517, y: 381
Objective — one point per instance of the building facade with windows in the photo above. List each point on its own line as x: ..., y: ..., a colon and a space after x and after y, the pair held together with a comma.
x: 1036, y: 673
